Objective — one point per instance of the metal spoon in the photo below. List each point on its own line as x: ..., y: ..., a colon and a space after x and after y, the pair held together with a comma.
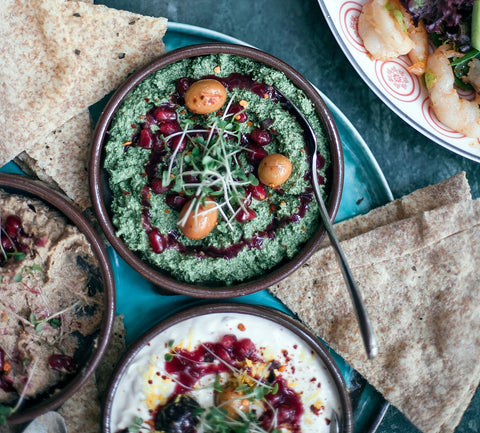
x: 50, y: 422
x: 335, y: 425
x: 366, y: 329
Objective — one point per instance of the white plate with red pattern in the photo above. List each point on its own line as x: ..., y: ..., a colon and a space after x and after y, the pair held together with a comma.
x: 391, y: 80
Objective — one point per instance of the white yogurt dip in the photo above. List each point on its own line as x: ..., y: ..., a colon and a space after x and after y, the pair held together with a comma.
x: 146, y: 384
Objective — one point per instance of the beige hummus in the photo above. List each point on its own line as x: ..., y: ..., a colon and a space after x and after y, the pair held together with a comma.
x: 51, y: 299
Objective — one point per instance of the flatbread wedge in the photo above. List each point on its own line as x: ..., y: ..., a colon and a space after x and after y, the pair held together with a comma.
x: 421, y: 284
x: 61, y: 159
x: 451, y: 190
x: 59, y: 57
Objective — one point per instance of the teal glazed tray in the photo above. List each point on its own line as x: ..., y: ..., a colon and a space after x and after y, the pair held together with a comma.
x: 365, y: 188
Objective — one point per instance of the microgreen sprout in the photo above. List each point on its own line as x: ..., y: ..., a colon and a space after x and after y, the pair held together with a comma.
x: 26, y: 270
x: 54, y: 319
x: 137, y: 425
x: 210, y: 166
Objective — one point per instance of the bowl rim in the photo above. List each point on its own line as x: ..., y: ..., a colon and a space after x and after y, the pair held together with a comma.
x: 23, y: 185
x: 165, y: 283
x: 205, y: 308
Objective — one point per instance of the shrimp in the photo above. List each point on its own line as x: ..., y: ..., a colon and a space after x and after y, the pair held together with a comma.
x: 460, y: 114
x: 388, y: 32
x: 419, y: 53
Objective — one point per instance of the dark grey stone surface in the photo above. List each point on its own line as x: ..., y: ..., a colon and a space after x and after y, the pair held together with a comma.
x: 296, y: 32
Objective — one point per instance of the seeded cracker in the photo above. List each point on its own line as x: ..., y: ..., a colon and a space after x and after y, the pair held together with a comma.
x: 59, y: 58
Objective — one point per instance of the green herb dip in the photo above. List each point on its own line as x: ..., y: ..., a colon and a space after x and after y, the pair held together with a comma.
x: 126, y: 163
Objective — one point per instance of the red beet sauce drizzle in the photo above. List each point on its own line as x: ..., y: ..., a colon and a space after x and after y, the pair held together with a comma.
x: 187, y: 367
x: 163, y: 116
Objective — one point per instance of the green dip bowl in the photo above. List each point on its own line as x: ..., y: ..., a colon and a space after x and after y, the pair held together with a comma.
x: 102, y: 195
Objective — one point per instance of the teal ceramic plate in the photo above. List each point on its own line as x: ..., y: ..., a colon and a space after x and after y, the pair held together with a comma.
x: 364, y: 188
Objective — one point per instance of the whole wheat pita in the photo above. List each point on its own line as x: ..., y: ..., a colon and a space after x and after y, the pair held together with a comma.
x: 59, y: 57
x: 423, y: 295
x: 82, y: 411
x: 451, y: 190
x: 61, y: 159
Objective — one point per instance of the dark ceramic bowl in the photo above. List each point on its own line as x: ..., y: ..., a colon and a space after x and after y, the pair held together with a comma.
x: 217, y: 320
x: 91, y: 354
x: 101, y: 194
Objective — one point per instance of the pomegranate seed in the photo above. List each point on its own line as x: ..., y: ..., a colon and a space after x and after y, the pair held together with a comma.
x: 222, y: 352
x: 164, y: 113
x: 175, y: 201
x: 228, y: 340
x: 146, y: 139
x: 156, y: 241
x: 182, y: 85
x: 255, y: 153
x: 6, y: 385
x: 177, y: 143
x: 244, y: 349
x: 243, y: 216
x: 169, y: 128
x: 266, y: 123
x: 238, y: 111
x: 13, y: 225
x: 7, y: 245
x: 157, y: 186
x: 258, y: 192
x: 261, y: 136
x: 63, y: 363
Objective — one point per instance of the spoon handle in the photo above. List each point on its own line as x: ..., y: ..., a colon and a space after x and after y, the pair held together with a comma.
x: 366, y: 329
x: 364, y: 323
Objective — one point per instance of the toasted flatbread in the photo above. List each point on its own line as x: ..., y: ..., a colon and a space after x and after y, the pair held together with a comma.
x: 451, y: 190
x: 115, y: 351
x: 61, y: 159
x: 423, y: 295
x: 82, y: 412
x: 59, y: 57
